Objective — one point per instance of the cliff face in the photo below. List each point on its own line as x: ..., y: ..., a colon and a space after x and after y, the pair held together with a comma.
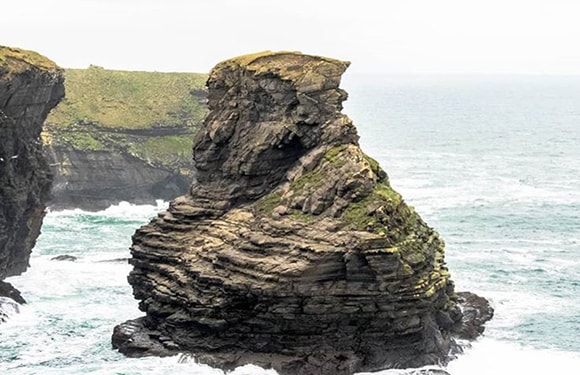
x: 137, y: 166
x: 30, y: 86
x: 291, y: 250
x: 123, y: 136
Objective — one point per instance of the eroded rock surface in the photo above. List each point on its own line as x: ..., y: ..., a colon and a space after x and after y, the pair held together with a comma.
x: 292, y: 250
x: 30, y: 86
x: 94, y: 180
x: 476, y: 311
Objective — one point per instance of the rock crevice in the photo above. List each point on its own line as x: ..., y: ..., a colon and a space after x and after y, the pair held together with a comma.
x: 291, y: 251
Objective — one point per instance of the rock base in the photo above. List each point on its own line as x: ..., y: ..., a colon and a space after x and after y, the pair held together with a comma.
x: 134, y: 339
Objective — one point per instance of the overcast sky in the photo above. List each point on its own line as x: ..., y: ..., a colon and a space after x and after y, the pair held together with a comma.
x: 377, y: 36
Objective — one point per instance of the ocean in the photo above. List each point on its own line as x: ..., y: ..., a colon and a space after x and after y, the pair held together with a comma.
x: 491, y: 162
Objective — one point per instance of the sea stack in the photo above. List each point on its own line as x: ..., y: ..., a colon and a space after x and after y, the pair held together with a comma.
x: 30, y: 86
x: 292, y: 251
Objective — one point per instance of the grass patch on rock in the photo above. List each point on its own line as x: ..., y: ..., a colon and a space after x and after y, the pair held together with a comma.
x: 376, y: 211
x: 267, y: 203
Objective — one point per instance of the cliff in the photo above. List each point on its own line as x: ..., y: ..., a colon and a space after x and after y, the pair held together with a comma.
x: 291, y: 250
x: 123, y: 136
x: 30, y: 86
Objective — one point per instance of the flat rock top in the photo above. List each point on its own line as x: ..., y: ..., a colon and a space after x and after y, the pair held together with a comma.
x: 16, y: 60
x: 285, y: 60
x: 303, y: 70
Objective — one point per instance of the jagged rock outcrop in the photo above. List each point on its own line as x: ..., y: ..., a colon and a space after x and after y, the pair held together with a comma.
x: 123, y: 136
x: 292, y: 250
x: 30, y: 86
x: 476, y: 311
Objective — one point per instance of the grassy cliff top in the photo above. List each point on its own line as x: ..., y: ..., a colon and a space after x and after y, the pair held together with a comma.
x: 14, y: 60
x: 131, y: 100
x: 290, y: 65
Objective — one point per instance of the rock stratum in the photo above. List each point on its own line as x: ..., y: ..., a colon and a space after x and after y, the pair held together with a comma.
x: 123, y: 136
x: 30, y: 86
x: 291, y: 251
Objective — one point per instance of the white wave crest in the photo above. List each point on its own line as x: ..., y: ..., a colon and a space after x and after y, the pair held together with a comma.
x: 502, y: 358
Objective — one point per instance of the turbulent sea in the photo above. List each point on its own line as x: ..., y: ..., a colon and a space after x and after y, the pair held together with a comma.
x: 493, y: 163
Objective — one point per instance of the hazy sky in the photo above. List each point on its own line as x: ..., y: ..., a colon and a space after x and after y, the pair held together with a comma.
x: 377, y: 36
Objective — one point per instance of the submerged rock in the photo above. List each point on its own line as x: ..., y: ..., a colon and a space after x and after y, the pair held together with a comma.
x: 476, y: 311
x: 7, y: 290
x: 65, y: 258
x: 30, y: 86
x: 292, y: 251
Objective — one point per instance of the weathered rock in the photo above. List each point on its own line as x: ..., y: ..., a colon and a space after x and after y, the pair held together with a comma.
x: 7, y: 290
x: 95, y: 179
x: 476, y: 311
x: 115, y: 260
x: 30, y: 85
x: 291, y: 251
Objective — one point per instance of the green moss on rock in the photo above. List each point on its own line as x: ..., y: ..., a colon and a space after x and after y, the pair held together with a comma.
x: 336, y: 156
x: 267, y: 203
x: 303, y: 217
x: 375, y: 166
x: 375, y: 211
x: 310, y: 180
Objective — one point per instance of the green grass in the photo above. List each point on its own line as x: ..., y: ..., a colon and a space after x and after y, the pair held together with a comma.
x: 130, y: 100
x: 165, y: 150
x: 152, y: 116
x: 161, y: 150
x: 82, y: 141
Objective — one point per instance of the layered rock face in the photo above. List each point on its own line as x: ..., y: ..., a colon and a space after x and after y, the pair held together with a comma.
x: 95, y: 179
x: 30, y: 86
x: 291, y: 251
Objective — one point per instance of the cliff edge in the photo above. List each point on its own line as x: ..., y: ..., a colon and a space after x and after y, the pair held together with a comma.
x: 291, y: 251
x: 30, y: 86
x: 123, y: 136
